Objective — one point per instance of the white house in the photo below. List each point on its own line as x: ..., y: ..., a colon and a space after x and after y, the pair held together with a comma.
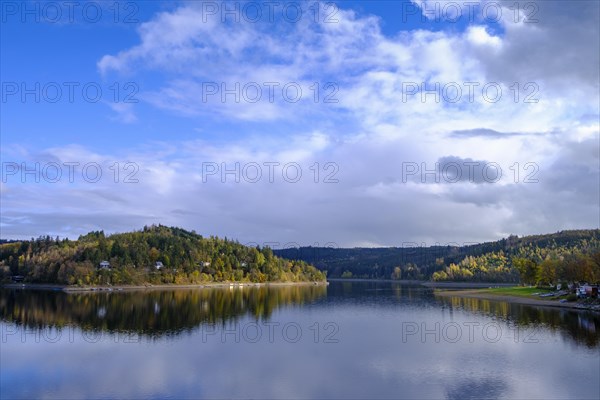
x: 206, y: 264
x: 159, y: 265
x: 104, y: 265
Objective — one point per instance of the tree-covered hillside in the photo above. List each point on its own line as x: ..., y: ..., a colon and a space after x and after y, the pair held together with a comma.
x: 156, y: 254
x: 562, y: 256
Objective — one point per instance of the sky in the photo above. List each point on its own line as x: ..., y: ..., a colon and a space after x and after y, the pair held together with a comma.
x: 339, y: 124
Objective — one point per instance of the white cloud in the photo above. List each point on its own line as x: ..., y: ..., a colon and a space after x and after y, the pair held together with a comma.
x: 479, y: 36
x: 124, y: 111
x: 376, y: 126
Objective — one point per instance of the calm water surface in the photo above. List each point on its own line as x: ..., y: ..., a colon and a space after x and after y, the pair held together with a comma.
x: 348, y: 340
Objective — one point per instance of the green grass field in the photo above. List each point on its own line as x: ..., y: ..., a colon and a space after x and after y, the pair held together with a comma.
x: 521, y: 291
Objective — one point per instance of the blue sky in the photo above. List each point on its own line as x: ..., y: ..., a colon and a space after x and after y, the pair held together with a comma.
x: 69, y: 50
x: 156, y: 63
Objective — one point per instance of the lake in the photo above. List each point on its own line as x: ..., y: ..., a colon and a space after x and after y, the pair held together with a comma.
x: 348, y: 340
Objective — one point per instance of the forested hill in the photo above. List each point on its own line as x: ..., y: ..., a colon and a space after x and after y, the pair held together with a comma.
x: 566, y: 255
x: 156, y: 254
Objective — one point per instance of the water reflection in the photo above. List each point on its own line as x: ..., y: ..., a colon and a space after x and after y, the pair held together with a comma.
x: 474, y: 389
x: 579, y: 326
x: 382, y: 293
x: 153, y: 312
x: 371, y: 356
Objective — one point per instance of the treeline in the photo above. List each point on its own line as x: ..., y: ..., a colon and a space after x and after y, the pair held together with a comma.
x: 562, y: 256
x: 183, y: 257
x: 561, y: 265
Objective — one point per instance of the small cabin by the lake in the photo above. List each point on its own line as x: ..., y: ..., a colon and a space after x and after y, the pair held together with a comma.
x: 587, y: 290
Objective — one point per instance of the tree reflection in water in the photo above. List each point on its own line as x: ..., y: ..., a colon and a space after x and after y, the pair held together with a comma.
x: 580, y: 326
x: 149, y: 312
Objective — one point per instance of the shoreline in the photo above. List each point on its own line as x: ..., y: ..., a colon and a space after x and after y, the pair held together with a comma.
x: 400, y: 281
x: 478, y: 294
x: 428, y: 284
x: 123, y: 288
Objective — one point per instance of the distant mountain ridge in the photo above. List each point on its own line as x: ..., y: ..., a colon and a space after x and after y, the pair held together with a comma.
x: 489, y: 261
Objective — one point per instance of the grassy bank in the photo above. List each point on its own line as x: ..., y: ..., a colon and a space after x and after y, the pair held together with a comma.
x: 520, y: 291
x: 522, y: 295
x: 465, y: 285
